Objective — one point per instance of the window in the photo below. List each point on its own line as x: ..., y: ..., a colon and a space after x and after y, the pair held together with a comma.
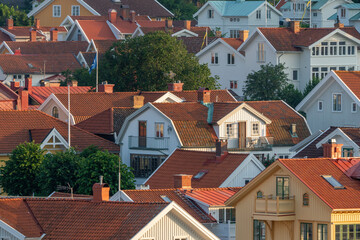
x: 315, y: 51
x: 347, y: 152
x: 343, y: 13
x: 17, y: 76
x: 255, y: 129
x: 165, y: 198
x: 295, y: 74
x: 306, y: 199
x: 210, y: 13
x: 347, y: 231
x: 259, y: 194
x: 320, y: 105
x: 57, y: 11
x: 336, y: 102
x: 351, y: 50
x: 282, y: 187
x: 322, y: 232
x: 229, y: 129
x: 258, y: 14
x: 306, y: 231
x: 315, y: 72
x: 158, y: 19
x: 233, y: 84
x: 214, y: 58
x: 75, y: 10
x: 315, y: 14
x: 333, y: 182
x: 234, y: 33
x: 247, y: 181
x: 324, y: 48
x: 324, y: 71
x: 342, y: 48
x: 144, y: 165
x: 333, y: 48
x: 231, y: 58
x: 234, y: 19
x: 261, y: 52
x: 226, y: 214
x: 268, y: 15
x: 180, y: 238
x: 259, y: 230
x: 55, y: 112
x: 353, y: 107
x: 159, y: 130
x: 200, y: 174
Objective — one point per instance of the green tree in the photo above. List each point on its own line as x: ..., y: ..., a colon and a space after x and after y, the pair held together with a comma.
x: 182, y: 9
x: 149, y: 62
x: 84, y: 78
x: 267, y: 83
x: 19, y: 16
x: 291, y: 95
x: 310, y: 85
x: 58, y: 170
x: 18, y: 176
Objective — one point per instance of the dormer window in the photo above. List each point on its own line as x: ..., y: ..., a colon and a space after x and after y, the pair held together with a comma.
x: 343, y: 13
x: 255, y: 129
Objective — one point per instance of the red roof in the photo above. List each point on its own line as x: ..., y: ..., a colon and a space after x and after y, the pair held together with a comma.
x: 8, y: 98
x: 18, y: 127
x: 40, y: 94
x: 280, y: 4
x: 212, y: 196
x: 191, y: 163
x: 48, y: 47
x: 351, y: 80
x: 125, y: 27
x: 233, y: 42
x: 97, y: 29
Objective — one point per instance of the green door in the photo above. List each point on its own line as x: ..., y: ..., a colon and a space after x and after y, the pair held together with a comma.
x: 282, y: 187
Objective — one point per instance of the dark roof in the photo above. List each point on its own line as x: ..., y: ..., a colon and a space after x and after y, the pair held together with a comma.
x: 194, y: 44
x: 20, y: 3
x: 48, y: 47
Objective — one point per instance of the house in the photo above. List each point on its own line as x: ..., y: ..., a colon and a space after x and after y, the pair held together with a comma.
x: 53, y: 12
x: 229, y: 17
x: 97, y: 218
x: 347, y: 14
x: 226, y: 62
x: 9, y: 99
x: 204, y: 169
x: 196, y: 44
x: 205, y: 204
x: 310, y: 198
x: 303, y: 50
x: 348, y: 137
x: 333, y: 102
x: 35, y: 33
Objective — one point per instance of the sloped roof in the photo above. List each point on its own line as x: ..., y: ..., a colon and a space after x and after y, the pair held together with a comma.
x: 4, y: 37
x: 212, y: 196
x: 40, y: 94
x: 355, y: 17
x: 351, y: 5
x: 317, y: 5
x: 236, y: 8
x: 351, y: 80
x: 191, y: 163
x: 125, y: 27
x: 280, y: 4
x: 233, y: 42
x: 24, y: 31
x: 104, y: 45
x: 193, y: 44
x: 48, y: 47
x: 16, y: 125
x: 97, y: 29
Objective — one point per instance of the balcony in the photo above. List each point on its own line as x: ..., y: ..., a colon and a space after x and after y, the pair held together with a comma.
x: 251, y: 144
x: 148, y: 143
x: 274, y: 208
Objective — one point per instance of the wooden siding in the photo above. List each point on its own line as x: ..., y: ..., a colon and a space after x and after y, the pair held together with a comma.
x: 6, y: 235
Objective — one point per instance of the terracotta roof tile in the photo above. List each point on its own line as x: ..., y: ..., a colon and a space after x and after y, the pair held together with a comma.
x: 104, y: 45
x: 97, y: 30
x: 351, y: 80
x: 192, y: 162
x: 48, y: 47
x: 40, y: 94
x: 68, y: 195
x: 212, y: 196
x: 233, y: 42
x: 4, y: 37
x: 125, y: 27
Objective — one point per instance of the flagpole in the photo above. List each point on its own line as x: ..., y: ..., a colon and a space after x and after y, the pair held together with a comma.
x: 310, y: 16
x: 69, y: 137
x: 97, y: 70
x: 266, y: 13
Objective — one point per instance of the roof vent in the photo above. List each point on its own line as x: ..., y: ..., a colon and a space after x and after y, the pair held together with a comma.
x: 116, y: 1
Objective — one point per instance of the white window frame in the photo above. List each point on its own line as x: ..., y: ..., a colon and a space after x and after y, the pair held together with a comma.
x: 342, y: 13
x: 322, y: 106
x: 73, y: 11
x: 214, y: 58
x: 268, y: 14
x: 229, y: 131
x: 234, y: 33
x: 332, y: 102
x: 252, y: 129
x: 181, y: 237
x: 261, y: 52
x: 54, y: 11
x: 231, y: 58
x: 210, y: 13
x: 234, y: 84
x: 258, y: 14
x: 156, y: 124
x: 297, y: 74
x: 352, y: 107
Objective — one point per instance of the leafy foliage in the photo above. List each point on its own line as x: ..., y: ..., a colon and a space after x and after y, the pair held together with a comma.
x: 18, y: 176
x: 148, y: 62
x: 310, y: 85
x: 84, y: 78
x: 291, y: 95
x: 19, y: 16
x: 182, y: 9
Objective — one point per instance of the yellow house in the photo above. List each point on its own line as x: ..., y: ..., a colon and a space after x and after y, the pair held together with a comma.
x: 307, y: 199
x: 53, y: 12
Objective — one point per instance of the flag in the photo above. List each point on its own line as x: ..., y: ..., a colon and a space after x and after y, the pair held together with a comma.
x: 205, y: 36
x: 307, y: 5
x: 93, y: 65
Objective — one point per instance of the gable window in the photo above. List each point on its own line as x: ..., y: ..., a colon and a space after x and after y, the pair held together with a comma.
x: 324, y: 48
x: 255, y: 129
x: 336, y: 102
x: 315, y: 14
x: 333, y: 48
x: 306, y: 231
x: 295, y: 74
x: 347, y: 152
x: 233, y: 84
x: 55, y: 112
x: 282, y: 187
x: 268, y: 14
x: 342, y: 48
x: 159, y: 130
x: 353, y: 107
x: 210, y: 13
x: 261, y: 52
x: 258, y: 14
x: 214, y: 58
x: 75, y: 10
x: 322, y: 232
x: 306, y: 199
x: 234, y: 33
x: 229, y: 129
x: 259, y: 194
x: 57, y: 11
x: 259, y: 230
x: 231, y: 58
x: 320, y: 105
x: 343, y: 13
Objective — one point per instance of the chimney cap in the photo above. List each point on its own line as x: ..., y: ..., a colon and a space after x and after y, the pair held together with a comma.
x: 332, y: 141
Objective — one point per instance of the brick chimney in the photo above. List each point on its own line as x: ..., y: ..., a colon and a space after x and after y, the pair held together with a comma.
x: 204, y: 95
x: 243, y: 35
x: 331, y: 149
x: 53, y: 34
x: 132, y: 16
x: 33, y: 35
x: 125, y: 12
x: 187, y: 24
x: 168, y: 24
x: 100, y: 191
x: 10, y: 23
x: 295, y: 26
x: 218, y: 34
x: 28, y: 84
x: 338, y: 25
x: 182, y: 181
x: 112, y: 15
x: 37, y: 23
x: 106, y: 88
x: 138, y: 101
x: 221, y: 149
x: 14, y: 85
x: 24, y: 99
x: 17, y: 51
x: 175, y: 87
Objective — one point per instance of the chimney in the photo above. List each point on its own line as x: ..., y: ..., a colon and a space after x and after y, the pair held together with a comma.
x: 125, y: 12
x: 295, y: 26
x: 14, y: 85
x: 221, y: 149
x: 112, y: 15
x: 338, y: 25
x: 132, y: 15
x: 17, y: 51
x: 182, y: 181
x: 33, y: 35
x: 74, y: 83
x: 331, y: 149
x: 138, y: 101
x: 28, y: 84
x: 204, y: 95
x: 243, y: 35
x: 106, y: 88
x: 53, y: 34
x: 37, y: 23
x: 24, y: 99
x: 100, y: 191
x: 168, y: 24
x: 187, y: 24
x: 175, y: 87
x: 218, y: 34
x: 10, y: 23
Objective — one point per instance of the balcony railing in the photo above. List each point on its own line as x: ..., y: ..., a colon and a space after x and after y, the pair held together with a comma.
x: 136, y: 142
x: 270, y: 205
x: 251, y: 144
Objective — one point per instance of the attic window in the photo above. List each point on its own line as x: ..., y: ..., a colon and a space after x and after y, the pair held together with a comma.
x: 165, y: 198
x: 200, y: 174
x: 330, y: 179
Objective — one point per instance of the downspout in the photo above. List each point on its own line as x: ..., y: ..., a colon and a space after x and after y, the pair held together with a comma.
x: 282, y: 53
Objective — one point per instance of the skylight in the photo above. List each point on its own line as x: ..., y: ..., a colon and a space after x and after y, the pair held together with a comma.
x: 200, y: 174
x: 165, y: 198
x: 330, y: 179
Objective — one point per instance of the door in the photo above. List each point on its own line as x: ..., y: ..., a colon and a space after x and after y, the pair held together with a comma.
x: 282, y: 187
x: 142, y: 134
x: 242, y: 134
